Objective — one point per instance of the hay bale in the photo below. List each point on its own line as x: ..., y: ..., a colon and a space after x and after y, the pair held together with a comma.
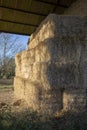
x: 55, y: 63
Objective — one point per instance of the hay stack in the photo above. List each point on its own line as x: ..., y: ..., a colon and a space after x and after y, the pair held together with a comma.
x: 52, y: 74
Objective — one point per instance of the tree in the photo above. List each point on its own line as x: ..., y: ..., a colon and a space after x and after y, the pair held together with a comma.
x: 9, y: 46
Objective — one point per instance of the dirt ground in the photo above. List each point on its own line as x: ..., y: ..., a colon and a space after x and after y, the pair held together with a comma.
x: 6, y: 91
x: 14, y: 117
x: 6, y: 96
x: 8, y: 102
x: 6, y: 81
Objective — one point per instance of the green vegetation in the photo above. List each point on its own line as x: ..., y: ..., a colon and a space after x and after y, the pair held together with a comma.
x: 31, y: 120
x: 10, y: 45
x: 23, y: 121
x: 7, y: 70
x: 6, y: 86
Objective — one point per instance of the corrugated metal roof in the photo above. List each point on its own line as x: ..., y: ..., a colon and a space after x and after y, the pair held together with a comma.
x: 24, y: 16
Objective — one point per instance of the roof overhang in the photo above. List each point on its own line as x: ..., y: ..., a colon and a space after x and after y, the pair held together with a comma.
x: 24, y: 16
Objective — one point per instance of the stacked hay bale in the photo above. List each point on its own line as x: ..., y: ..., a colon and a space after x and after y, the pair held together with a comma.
x: 54, y: 66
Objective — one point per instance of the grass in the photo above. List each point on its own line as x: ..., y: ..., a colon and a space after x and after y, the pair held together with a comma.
x: 3, y: 86
x: 23, y: 121
x: 6, y: 83
x: 31, y: 120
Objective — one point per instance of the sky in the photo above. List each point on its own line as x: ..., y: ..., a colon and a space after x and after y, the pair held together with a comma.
x: 23, y: 39
x: 19, y: 44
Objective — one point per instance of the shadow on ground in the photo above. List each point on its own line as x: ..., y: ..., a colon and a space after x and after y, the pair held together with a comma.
x: 31, y: 120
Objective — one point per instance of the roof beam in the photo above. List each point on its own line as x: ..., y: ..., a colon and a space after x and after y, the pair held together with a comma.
x: 23, y: 11
x: 13, y: 16
x: 15, y: 28
x: 56, y: 6
x: 18, y: 23
x: 25, y: 34
x: 51, y: 3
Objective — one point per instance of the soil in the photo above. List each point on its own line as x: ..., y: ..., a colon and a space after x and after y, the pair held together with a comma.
x: 8, y: 101
x: 6, y: 96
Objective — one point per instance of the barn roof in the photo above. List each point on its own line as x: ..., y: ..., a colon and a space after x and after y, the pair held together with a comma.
x: 24, y: 16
